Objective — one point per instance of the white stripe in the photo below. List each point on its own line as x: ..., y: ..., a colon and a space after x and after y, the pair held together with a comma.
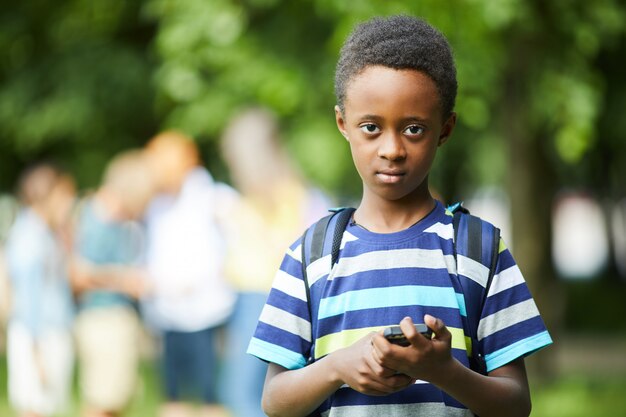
x: 506, y: 279
x: 444, y: 231
x: 347, y: 237
x: 475, y: 271
x: 321, y: 267
x: 507, y: 317
x: 398, y: 410
x: 417, y: 382
x: 390, y: 259
x: 286, y: 321
x: 290, y: 285
x: 318, y: 269
x: 296, y: 253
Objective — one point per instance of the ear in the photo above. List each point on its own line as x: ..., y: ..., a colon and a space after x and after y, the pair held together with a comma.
x: 341, y: 122
x: 447, y: 129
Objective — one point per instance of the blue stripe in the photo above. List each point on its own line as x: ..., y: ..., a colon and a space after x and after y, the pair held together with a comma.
x: 273, y: 353
x: 521, y: 348
x: 426, y: 241
x: 387, y: 278
x: 290, y: 304
x: 506, y: 298
x: 295, y: 244
x: 289, y: 341
x: 437, y: 215
x: 385, y: 317
x: 293, y: 342
x: 387, y: 297
x: 512, y: 334
x: 415, y: 394
x: 292, y: 267
x: 505, y: 261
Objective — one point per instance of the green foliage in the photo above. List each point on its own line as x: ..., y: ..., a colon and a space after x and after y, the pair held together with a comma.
x: 73, y: 84
x: 82, y: 80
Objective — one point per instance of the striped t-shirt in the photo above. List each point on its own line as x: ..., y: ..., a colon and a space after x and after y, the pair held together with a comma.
x: 380, y: 279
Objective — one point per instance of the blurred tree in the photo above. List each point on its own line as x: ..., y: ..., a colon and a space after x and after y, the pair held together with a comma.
x: 540, y: 99
x: 74, y: 84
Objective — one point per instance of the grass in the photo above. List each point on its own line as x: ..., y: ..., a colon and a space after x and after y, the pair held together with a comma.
x: 581, y: 396
x: 572, y: 396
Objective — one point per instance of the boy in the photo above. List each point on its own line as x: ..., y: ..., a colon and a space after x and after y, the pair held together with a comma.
x: 396, y: 86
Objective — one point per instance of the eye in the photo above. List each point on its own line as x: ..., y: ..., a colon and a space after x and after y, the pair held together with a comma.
x: 369, y: 128
x: 414, y: 130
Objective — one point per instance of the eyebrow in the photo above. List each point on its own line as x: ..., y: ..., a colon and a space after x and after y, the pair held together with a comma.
x: 402, y: 120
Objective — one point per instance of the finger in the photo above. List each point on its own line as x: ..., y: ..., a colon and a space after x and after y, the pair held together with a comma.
x: 438, y: 327
x: 375, y: 364
x: 383, y: 349
x: 400, y: 381
x: 392, y: 383
x: 387, y: 354
x: 415, y: 338
x: 375, y: 387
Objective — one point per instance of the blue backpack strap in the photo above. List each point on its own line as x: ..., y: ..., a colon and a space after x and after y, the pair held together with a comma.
x: 478, y: 241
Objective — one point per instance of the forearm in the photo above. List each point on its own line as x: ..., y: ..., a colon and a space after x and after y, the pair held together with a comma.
x: 299, y: 392
x: 499, y: 394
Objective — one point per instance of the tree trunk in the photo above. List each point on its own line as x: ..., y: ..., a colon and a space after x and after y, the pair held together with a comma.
x: 531, y: 186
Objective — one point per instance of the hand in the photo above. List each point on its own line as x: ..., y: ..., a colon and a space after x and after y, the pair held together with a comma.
x: 134, y: 283
x: 423, y: 359
x: 358, y: 368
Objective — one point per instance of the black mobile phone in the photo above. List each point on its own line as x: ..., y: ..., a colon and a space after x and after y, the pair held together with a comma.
x: 394, y: 334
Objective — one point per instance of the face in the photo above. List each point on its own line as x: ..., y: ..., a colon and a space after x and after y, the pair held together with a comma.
x: 170, y: 164
x: 394, y: 124
x: 60, y: 202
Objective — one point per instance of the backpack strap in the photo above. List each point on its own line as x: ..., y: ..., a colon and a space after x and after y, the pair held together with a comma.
x: 316, y: 240
x: 479, y: 241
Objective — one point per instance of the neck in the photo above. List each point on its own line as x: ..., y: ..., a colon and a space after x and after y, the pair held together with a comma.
x: 388, y: 216
x: 108, y: 205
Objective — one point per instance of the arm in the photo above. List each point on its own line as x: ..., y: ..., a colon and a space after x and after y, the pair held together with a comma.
x: 354, y: 366
x: 504, y: 392
x: 124, y: 279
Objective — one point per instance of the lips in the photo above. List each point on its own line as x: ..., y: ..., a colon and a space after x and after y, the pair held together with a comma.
x: 390, y: 176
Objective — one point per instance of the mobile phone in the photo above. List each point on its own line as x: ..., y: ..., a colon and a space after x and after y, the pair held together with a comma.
x: 394, y: 334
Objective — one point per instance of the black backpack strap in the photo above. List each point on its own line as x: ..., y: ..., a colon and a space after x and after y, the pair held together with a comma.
x: 480, y: 242
x: 314, y: 240
x: 343, y: 218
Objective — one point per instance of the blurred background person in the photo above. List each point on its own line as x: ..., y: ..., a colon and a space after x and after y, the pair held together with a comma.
x: 275, y: 205
x: 189, y: 297
x: 108, y: 280
x: 8, y: 210
x: 39, y: 341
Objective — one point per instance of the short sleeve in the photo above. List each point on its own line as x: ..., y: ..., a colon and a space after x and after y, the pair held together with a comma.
x: 510, y: 326
x: 283, y: 333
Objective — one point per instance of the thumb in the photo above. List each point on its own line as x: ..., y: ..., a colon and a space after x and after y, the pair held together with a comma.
x: 437, y: 326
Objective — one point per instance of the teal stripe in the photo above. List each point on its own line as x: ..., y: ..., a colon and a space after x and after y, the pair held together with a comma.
x: 523, y: 347
x: 386, y: 297
x: 275, y: 354
x: 460, y: 299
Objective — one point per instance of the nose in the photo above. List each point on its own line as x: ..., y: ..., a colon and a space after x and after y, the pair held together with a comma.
x: 391, y: 147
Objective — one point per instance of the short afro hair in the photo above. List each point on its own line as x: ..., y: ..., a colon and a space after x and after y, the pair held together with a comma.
x: 398, y: 42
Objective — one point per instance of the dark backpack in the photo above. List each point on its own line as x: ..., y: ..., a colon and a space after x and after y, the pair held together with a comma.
x: 474, y: 239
